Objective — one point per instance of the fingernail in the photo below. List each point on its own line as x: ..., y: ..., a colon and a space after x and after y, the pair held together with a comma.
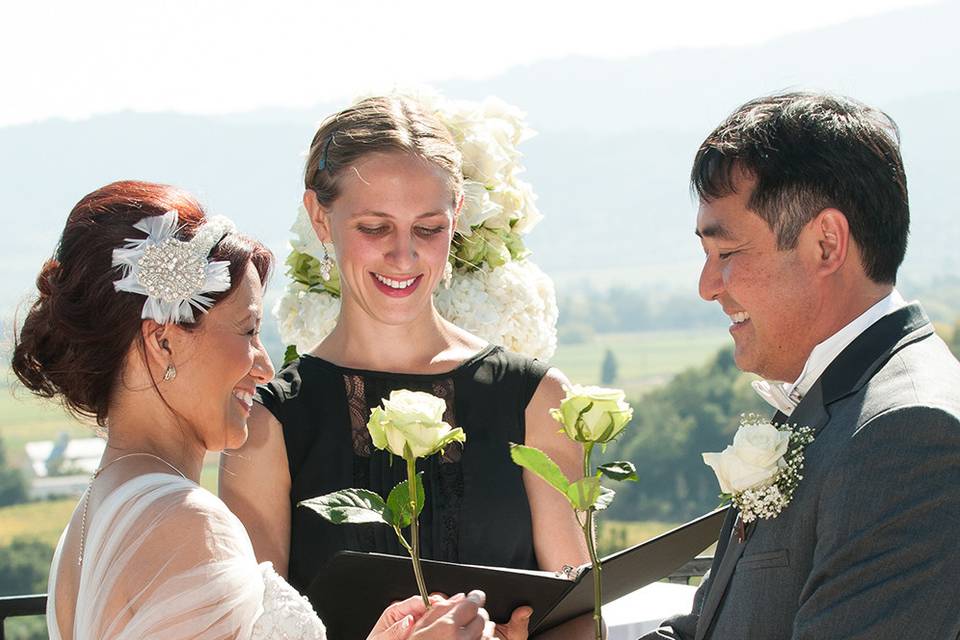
x: 406, y: 623
x: 477, y: 597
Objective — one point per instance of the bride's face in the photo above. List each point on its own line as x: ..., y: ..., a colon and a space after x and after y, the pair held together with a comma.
x: 391, y: 227
x: 225, y: 362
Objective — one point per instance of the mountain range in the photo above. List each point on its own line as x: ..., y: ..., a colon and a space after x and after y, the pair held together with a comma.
x: 609, y: 163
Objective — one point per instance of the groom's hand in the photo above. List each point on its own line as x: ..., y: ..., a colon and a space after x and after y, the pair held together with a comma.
x: 517, y: 628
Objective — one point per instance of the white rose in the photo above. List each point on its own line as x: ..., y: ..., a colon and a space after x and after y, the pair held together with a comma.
x: 510, y: 115
x: 477, y: 208
x: 486, y: 158
x: 752, y: 460
x: 411, y: 423
x: 530, y: 215
x: 607, y: 415
x: 305, y: 239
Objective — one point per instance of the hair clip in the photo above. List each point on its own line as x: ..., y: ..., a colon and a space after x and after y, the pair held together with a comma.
x: 323, y: 157
x: 175, y: 275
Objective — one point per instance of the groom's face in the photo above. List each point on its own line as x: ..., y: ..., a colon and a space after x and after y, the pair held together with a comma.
x: 761, y: 288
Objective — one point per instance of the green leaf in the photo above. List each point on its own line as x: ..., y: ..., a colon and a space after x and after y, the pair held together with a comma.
x: 604, y: 499
x: 398, y: 502
x: 620, y: 470
x: 583, y: 493
x: 541, y: 465
x: 353, y: 506
x: 290, y: 354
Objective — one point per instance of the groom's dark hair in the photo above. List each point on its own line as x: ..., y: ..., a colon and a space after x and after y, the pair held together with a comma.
x: 808, y: 152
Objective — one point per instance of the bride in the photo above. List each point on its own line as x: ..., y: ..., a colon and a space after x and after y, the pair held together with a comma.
x: 148, y: 321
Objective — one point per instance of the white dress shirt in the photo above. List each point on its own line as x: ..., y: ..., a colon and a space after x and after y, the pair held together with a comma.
x: 785, y: 396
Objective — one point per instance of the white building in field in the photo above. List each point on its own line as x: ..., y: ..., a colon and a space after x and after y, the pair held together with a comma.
x: 62, y: 467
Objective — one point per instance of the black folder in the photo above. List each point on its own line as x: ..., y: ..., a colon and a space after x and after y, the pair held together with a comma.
x: 355, y: 588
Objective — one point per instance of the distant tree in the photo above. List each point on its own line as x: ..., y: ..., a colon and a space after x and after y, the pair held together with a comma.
x: 608, y: 370
x: 26, y: 628
x: 672, y: 425
x: 13, y: 486
x: 24, y: 566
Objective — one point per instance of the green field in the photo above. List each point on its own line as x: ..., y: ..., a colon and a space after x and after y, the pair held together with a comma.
x: 24, y: 418
x: 614, y: 535
x: 644, y: 359
x: 44, y: 520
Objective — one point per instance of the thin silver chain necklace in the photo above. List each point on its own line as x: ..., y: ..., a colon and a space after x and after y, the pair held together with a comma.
x: 86, y: 494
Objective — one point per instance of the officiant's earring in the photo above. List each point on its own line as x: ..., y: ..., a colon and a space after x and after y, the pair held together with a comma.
x: 447, y: 275
x: 170, y: 373
x: 326, y: 264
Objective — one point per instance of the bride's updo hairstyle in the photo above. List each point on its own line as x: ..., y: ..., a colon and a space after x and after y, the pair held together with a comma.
x: 381, y: 124
x: 76, y: 335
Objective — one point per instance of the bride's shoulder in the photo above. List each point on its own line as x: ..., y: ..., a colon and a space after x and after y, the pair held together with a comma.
x: 180, y: 511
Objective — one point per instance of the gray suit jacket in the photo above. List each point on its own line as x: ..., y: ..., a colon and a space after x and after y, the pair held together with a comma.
x: 868, y: 546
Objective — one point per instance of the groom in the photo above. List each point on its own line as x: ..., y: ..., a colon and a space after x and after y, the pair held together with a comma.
x: 804, y: 219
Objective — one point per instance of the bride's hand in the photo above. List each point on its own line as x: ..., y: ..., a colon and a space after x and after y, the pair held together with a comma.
x: 396, y: 622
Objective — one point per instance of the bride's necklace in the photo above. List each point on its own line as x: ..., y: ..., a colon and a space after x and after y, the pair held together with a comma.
x: 86, y: 494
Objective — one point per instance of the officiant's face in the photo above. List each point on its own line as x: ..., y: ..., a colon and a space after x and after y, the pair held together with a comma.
x: 391, y: 227
x: 764, y: 291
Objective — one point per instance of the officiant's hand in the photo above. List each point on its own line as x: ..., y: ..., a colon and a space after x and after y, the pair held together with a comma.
x: 458, y: 618
x: 517, y: 628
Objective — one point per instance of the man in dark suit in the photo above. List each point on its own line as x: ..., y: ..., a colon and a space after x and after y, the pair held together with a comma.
x: 804, y: 219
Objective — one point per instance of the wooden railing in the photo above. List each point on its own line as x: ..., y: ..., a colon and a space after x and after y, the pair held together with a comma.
x: 14, y: 606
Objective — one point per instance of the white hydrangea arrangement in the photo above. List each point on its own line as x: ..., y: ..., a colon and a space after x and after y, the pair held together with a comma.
x: 496, y: 292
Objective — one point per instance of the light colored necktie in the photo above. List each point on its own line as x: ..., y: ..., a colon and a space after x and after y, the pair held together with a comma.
x: 775, y: 394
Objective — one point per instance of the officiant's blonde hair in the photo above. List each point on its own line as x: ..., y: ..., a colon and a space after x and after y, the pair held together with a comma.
x: 380, y: 124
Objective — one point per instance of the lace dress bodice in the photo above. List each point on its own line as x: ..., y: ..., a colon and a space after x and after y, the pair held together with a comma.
x: 287, y: 615
x: 165, y: 558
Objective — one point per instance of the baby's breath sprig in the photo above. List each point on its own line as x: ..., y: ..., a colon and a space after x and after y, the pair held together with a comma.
x: 768, y: 500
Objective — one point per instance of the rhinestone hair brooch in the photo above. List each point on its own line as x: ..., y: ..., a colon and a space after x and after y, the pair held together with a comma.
x: 173, y: 274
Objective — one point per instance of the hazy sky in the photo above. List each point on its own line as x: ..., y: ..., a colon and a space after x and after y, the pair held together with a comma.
x: 75, y: 59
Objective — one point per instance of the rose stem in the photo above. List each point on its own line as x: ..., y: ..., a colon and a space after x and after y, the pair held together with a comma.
x: 415, y: 530
x: 591, y: 546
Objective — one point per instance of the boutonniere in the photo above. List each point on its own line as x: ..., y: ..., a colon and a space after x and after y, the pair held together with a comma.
x: 761, y: 470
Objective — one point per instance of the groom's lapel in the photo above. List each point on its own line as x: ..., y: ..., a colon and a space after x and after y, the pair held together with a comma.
x: 732, y: 549
x: 848, y: 373
x: 863, y: 357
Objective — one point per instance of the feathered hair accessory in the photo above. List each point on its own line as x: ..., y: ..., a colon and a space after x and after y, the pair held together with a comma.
x: 175, y: 275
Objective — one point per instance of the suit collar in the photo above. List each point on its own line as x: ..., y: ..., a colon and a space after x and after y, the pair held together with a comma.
x: 856, y: 364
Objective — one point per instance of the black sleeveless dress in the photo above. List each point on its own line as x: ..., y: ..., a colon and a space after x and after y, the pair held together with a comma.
x: 476, y: 509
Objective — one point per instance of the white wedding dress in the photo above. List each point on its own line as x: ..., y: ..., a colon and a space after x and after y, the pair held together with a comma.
x: 166, y: 559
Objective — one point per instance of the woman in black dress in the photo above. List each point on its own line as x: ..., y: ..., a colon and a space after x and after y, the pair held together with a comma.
x: 384, y: 187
